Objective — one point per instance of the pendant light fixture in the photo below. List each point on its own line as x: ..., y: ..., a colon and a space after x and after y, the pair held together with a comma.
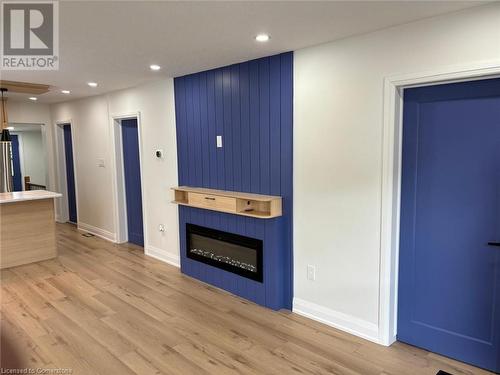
x: 6, y: 183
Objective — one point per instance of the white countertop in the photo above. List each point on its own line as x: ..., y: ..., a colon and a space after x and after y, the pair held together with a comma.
x: 30, y: 195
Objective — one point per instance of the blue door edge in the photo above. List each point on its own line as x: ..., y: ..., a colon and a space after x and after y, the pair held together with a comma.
x: 70, y: 173
x: 17, y: 178
x: 132, y: 179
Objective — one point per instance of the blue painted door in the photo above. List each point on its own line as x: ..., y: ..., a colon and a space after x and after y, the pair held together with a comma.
x: 132, y: 172
x: 70, y: 173
x: 449, y: 277
x: 16, y: 164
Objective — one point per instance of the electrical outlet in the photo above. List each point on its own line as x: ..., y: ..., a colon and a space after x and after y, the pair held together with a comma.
x: 311, y: 272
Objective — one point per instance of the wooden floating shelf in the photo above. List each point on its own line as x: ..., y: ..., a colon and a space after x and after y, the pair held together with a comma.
x: 245, y: 204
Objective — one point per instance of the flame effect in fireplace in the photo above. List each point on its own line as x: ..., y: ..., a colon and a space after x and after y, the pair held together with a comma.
x: 224, y: 259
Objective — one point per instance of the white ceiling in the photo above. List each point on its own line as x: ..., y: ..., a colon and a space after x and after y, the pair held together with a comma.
x: 113, y: 43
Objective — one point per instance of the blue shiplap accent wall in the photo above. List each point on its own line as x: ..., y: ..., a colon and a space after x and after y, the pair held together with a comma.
x: 251, y: 106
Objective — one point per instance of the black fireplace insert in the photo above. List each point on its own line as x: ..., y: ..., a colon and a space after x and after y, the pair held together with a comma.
x: 231, y: 252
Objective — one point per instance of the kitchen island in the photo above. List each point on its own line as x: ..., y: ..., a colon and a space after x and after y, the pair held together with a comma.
x: 27, y: 227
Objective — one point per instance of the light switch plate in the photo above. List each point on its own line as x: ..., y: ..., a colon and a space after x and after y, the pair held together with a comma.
x: 311, y: 272
x: 100, y: 163
x: 219, y: 141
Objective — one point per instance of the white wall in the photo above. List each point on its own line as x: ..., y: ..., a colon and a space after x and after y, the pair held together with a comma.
x: 92, y: 123
x: 90, y: 129
x: 155, y: 102
x: 28, y: 112
x: 338, y: 105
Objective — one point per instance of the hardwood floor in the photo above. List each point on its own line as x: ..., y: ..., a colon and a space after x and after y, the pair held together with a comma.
x: 101, y: 308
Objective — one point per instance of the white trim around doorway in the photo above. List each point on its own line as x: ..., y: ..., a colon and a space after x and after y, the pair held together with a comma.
x: 62, y: 214
x: 120, y: 205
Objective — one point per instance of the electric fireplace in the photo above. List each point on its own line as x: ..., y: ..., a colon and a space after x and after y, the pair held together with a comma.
x: 228, y: 251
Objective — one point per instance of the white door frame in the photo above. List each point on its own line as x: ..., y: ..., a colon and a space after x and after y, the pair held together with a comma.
x: 120, y: 206
x: 62, y: 184
x: 391, y: 178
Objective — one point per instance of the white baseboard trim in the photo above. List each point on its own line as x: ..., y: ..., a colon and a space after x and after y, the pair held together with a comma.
x: 344, y: 322
x: 392, y: 340
x: 97, y: 232
x: 162, y: 255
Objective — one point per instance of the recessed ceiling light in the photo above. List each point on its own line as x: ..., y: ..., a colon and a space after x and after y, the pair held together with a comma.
x: 155, y: 67
x: 34, y: 98
x: 92, y: 84
x: 65, y: 91
x: 262, y: 38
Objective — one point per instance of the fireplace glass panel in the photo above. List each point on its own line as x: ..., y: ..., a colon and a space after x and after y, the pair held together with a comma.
x: 231, y: 252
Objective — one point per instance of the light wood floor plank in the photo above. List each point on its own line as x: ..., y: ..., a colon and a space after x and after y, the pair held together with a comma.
x: 104, y: 308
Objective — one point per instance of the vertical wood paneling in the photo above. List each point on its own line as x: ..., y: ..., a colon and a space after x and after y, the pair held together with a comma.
x: 250, y: 105
x: 286, y: 83
x: 191, y: 136
x: 197, y: 149
x: 205, y: 138
x: 236, y: 127
x: 211, y: 128
x: 245, y: 128
x: 254, y: 126
x: 219, y: 127
x: 228, y: 130
x: 265, y: 177
x: 180, y: 112
x: 275, y: 124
